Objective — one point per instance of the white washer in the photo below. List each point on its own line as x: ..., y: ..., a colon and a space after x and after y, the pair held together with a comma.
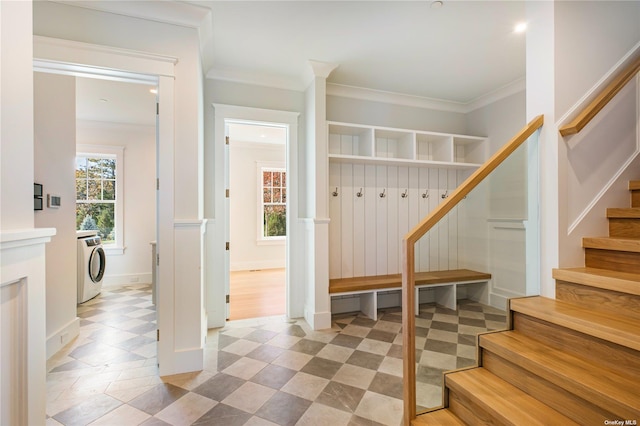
x: 91, y: 266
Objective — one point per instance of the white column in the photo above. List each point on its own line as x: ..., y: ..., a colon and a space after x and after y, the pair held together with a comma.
x: 317, y: 305
x: 541, y: 100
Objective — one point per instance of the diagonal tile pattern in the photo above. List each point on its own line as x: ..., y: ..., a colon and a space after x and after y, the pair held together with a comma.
x: 257, y: 372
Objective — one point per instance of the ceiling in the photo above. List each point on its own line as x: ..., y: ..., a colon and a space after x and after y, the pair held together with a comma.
x: 459, y: 53
x: 115, y: 101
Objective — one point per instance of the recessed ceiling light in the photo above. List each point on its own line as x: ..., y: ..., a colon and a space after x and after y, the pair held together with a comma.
x: 520, y: 27
x: 263, y: 136
x: 103, y: 100
x: 437, y: 4
x: 154, y: 91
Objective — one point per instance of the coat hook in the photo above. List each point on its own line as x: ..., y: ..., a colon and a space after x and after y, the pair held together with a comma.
x: 335, y: 193
x: 446, y: 194
x: 426, y: 194
x: 404, y: 194
x: 382, y: 194
x: 359, y: 193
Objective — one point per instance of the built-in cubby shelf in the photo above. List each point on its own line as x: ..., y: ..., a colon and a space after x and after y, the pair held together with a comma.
x: 358, y: 144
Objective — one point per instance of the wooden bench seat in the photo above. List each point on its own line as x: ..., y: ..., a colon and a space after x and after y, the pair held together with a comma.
x: 445, y: 283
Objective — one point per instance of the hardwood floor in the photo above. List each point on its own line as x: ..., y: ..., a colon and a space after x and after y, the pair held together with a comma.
x: 256, y: 294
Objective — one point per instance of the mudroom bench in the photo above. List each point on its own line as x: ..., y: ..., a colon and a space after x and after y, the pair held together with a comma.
x: 444, y: 284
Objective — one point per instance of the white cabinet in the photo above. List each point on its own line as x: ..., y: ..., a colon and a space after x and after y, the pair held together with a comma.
x: 354, y: 143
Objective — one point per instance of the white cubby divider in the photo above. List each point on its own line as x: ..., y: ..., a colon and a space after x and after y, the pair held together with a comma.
x: 356, y: 143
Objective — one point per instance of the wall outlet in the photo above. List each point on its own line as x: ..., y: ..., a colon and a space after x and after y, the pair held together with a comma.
x: 64, y: 337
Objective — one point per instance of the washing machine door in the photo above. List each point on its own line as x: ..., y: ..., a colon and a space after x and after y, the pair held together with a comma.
x: 97, y: 263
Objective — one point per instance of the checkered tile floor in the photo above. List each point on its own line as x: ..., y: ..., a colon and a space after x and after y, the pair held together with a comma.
x: 257, y: 372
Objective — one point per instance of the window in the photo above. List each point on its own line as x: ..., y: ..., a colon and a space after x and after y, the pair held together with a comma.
x: 274, y: 203
x: 99, y: 194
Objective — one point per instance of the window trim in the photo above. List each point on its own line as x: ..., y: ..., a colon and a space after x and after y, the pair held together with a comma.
x: 260, y: 167
x: 118, y: 247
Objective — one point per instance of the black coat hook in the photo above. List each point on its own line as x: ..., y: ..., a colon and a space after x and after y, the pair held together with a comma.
x: 404, y: 194
x: 382, y: 194
x: 426, y: 194
x: 335, y: 193
x: 359, y: 193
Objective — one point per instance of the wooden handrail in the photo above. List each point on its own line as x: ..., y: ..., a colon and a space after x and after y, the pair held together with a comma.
x: 408, y: 260
x: 601, y: 100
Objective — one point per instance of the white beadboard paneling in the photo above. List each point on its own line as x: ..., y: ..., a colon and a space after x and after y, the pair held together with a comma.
x: 358, y: 221
x: 443, y: 225
x: 382, y: 203
x: 346, y: 196
x: 393, y: 210
x: 370, y: 224
x: 453, y: 223
x: 403, y: 210
x: 335, y: 228
x: 414, y: 208
x: 434, y: 199
x: 423, y: 208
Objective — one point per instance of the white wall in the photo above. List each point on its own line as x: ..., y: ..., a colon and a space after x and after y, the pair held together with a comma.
x: 247, y: 253
x: 54, y: 168
x: 139, y: 142
x: 16, y: 129
x: 590, y: 36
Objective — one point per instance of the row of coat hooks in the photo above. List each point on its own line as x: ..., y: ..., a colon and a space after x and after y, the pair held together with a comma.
x: 405, y: 194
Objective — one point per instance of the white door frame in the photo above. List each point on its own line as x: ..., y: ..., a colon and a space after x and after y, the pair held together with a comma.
x: 218, y: 257
x: 88, y: 60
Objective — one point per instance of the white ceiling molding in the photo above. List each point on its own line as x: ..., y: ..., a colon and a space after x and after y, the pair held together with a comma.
x: 393, y: 98
x: 520, y: 85
x: 422, y: 102
x: 318, y: 69
x: 166, y: 12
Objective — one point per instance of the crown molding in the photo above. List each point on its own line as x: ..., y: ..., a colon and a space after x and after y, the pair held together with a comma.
x: 520, y: 85
x: 165, y: 12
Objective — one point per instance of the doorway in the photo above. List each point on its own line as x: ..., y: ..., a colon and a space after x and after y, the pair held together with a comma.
x: 257, y: 176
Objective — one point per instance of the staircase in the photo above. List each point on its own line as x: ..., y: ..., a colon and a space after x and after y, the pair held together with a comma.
x: 572, y: 360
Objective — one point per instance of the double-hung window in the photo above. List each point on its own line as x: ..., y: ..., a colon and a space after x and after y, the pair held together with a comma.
x: 99, y: 194
x: 273, y: 209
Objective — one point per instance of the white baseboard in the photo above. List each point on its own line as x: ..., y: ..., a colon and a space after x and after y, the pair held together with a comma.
x: 259, y: 264
x: 126, y: 279
x: 498, y: 301
x: 317, y: 320
x: 61, y: 337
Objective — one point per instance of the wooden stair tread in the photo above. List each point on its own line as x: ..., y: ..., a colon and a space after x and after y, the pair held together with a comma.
x: 612, y: 243
x: 628, y: 213
x: 506, y: 403
x: 607, y: 279
x: 343, y: 285
x: 613, y: 327
x: 634, y: 185
x: 604, y: 388
x: 438, y: 418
